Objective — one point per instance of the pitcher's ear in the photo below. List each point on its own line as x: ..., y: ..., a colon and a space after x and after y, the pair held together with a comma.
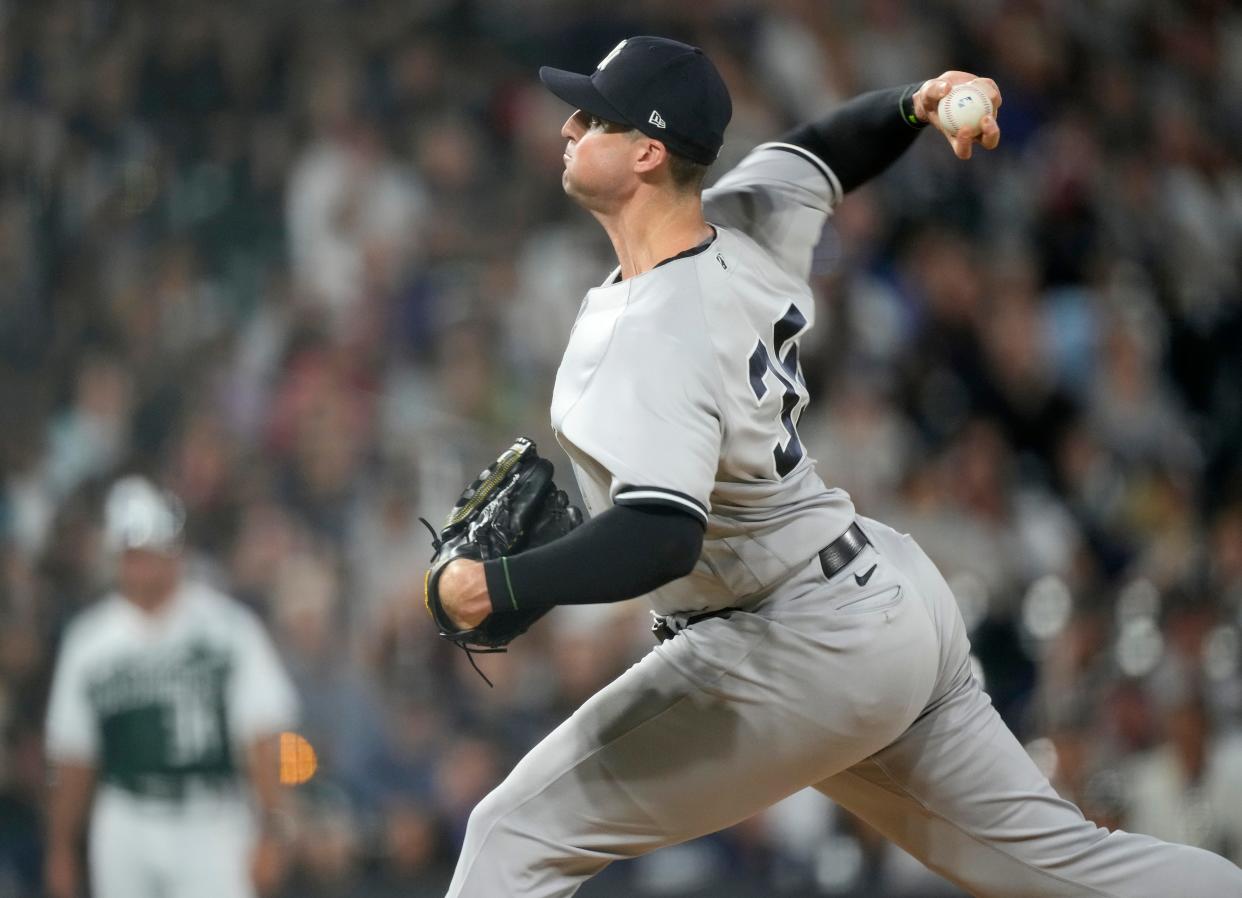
x: 652, y: 154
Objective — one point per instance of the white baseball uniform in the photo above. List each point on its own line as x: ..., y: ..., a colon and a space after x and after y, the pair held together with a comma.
x: 681, y: 386
x: 162, y: 706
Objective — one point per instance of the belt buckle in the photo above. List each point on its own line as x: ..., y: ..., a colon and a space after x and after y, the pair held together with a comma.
x: 661, y: 630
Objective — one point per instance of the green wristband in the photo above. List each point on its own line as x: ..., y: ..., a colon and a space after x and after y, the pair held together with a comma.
x: 906, y: 107
x: 504, y: 565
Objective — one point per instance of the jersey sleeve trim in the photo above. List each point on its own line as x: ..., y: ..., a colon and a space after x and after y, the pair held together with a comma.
x: 833, y: 183
x: 655, y: 495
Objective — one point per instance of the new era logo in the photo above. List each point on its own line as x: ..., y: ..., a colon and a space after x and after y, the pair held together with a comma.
x: 656, y: 119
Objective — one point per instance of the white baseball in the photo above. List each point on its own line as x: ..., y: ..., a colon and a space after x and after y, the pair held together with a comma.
x: 963, y: 107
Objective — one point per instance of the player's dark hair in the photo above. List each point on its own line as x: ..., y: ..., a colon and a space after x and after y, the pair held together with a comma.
x: 687, y: 174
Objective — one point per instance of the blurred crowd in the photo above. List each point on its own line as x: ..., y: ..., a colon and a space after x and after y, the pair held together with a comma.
x: 309, y: 265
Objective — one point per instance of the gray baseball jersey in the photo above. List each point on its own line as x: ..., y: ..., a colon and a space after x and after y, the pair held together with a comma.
x: 682, y: 386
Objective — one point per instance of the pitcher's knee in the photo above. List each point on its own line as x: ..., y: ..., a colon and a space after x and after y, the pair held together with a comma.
x: 509, y: 822
x: 486, y: 866
x: 518, y: 845
x: 485, y: 819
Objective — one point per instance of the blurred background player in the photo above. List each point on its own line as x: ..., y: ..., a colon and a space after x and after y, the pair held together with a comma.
x: 166, y: 706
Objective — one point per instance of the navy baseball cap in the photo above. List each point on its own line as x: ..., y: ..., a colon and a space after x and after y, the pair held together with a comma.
x: 668, y: 90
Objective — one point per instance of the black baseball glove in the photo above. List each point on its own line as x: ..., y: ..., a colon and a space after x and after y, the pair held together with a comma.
x: 512, y: 506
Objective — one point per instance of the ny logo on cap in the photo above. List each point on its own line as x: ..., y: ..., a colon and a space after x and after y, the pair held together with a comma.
x: 603, y: 63
x: 656, y: 119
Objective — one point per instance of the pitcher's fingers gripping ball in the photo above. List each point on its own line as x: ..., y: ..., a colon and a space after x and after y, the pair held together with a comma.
x: 963, y: 108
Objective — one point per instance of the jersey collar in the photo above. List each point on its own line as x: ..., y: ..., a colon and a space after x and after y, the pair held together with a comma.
x: 614, y: 278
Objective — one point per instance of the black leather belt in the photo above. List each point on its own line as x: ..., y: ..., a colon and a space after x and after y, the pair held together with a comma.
x: 835, y: 556
x: 833, y: 559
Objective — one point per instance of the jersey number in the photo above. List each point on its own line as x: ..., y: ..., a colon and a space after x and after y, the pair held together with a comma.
x: 789, y: 372
x: 194, y: 731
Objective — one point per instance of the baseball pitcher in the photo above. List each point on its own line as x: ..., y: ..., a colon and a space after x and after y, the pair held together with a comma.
x: 801, y: 644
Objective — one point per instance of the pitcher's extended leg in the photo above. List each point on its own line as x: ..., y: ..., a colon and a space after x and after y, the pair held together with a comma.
x: 959, y: 793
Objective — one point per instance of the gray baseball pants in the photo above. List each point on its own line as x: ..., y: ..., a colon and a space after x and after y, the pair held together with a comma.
x: 864, y: 693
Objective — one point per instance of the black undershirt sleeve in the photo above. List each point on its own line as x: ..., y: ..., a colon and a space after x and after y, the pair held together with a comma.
x: 863, y: 136
x: 627, y: 551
